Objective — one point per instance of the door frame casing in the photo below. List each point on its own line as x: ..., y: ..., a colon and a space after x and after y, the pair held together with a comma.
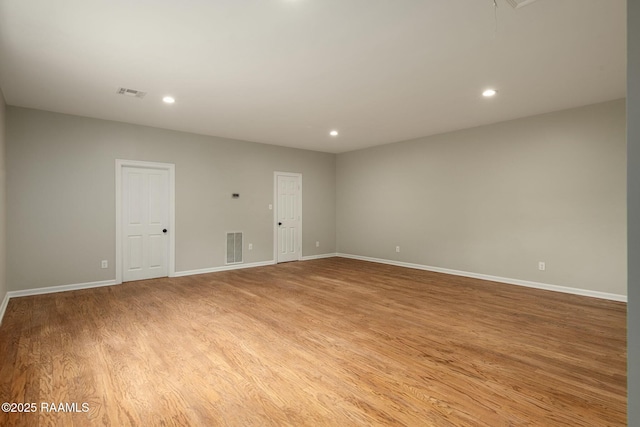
x: 171, y: 168
x: 275, y: 213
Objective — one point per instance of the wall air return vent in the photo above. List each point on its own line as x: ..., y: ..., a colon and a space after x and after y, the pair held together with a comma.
x: 519, y: 3
x: 234, y: 247
x: 132, y: 93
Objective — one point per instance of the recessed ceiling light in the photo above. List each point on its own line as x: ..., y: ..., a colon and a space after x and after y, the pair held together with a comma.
x: 168, y: 99
x: 333, y: 133
x: 489, y: 93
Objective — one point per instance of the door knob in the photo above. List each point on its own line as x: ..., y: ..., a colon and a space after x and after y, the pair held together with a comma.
x: 164, y: 230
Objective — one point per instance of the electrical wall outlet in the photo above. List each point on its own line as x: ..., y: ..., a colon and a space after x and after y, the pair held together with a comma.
x: 104, y: 264
x: 542, y: 266
x: 250, y: 246
x: 317, y: 244
x: 397, y: 248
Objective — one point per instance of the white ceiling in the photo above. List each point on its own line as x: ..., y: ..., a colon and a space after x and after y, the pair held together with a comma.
x: 286, y: 72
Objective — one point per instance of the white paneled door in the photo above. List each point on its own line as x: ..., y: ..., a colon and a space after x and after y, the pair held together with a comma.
x: 288, y: 216
x: 145, y: 222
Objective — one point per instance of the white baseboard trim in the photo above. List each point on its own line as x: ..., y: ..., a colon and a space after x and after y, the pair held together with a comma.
x: 222, y: 268
x: 3, y: 306
x: 77, y: 286
x: 61, y: 288
x: 518, y: 282
x: 312, y: 257
x: 526, y: 283
x: 250, y: 265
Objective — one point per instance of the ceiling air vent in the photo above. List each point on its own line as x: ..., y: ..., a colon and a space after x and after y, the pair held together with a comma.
x: 131, y: 92
x: 519, y: 3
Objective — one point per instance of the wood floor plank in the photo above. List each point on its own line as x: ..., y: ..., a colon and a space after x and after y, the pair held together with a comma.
x: 327, y: 342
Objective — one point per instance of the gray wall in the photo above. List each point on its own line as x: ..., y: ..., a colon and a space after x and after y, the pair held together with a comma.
x: 633, y: 200
x: 497, y: 199
x: 3, y: 202
x: 61, y: 195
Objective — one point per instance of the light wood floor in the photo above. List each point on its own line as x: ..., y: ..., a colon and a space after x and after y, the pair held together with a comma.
x: 328, y: 342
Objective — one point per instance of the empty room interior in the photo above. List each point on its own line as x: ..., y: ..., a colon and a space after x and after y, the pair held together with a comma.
x: 305, y: 212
